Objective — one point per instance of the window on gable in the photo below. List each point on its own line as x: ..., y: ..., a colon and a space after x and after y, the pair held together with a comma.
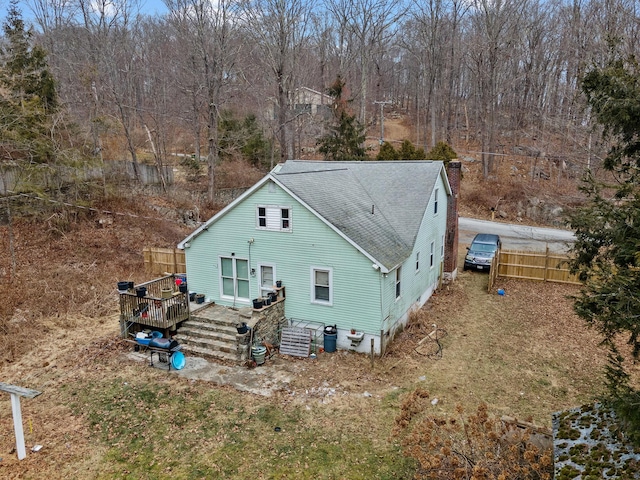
x: 435, y: 202
x: 431, y: 252
x: 273, y: 218
x: 417, y: 261
x: 262, y: 217
x: 398, y: 282
x: 322, y: 285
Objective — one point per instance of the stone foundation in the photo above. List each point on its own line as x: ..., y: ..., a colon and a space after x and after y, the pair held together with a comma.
x: 266, y: 324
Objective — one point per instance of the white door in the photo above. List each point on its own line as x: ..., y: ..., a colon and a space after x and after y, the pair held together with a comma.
x: 234, y: 278
x: 267, y: 278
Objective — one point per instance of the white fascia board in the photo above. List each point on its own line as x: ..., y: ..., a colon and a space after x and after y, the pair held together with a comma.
x: 383, y: 269
x: 445, y: 178
x: 223, y: 212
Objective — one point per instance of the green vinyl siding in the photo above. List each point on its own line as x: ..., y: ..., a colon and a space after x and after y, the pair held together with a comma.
x: 361, y: 296
x: 431, y: 231
x: 310, y: 243
x: 414, y: 284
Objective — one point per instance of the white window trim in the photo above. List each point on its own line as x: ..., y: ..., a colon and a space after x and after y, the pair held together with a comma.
x: 398, y: 281
x: 312, y: 291
x: 417, y: 262
x: 235, y: 279
x: 273, y: 213
x: 432, y: 255
x: 442, y: 247
x: 260, y: 287
x: 435, y: 202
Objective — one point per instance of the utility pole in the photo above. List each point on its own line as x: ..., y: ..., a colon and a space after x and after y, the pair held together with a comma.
x: 382, y: 104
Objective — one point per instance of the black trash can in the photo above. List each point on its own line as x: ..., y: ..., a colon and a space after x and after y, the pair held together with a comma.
x: 330, y: 338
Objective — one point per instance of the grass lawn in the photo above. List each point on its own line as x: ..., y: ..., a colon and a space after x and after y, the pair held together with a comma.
x: 103, y: 415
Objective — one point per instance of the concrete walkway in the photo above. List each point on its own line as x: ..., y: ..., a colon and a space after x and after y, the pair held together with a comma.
x: 262, y: 380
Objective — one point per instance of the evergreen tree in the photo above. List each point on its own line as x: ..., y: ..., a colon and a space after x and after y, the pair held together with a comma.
x: 442, y: 151
x: 606, y: 253
x: 346, y: 136
x: 242, y: 138
x: 27, y: 93
x: 408, y: 151
x: 387, y: 152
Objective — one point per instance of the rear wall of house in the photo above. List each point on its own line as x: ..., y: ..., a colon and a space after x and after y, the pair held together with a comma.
x: 311, y: 243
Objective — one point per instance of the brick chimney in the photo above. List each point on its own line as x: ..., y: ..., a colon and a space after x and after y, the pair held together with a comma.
x: 454, y: 172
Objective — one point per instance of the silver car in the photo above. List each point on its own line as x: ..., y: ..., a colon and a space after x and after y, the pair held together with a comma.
x: 481, y: 252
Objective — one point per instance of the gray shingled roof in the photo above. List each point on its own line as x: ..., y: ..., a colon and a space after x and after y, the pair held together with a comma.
x: 377, y: 205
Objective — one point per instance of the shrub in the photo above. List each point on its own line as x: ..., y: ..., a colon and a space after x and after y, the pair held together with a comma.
x: 442, y: 151
x: 475, y: 446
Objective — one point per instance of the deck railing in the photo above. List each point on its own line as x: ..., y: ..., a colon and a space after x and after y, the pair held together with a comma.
x: 162, y: 307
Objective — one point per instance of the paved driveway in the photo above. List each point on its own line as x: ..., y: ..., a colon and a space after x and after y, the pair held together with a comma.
x: 517, y: 236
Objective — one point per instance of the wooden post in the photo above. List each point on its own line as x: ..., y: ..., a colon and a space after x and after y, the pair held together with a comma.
x: 546, y: 263
x: 16, y: 393
x: 17, y: 425
x: 175, y: 260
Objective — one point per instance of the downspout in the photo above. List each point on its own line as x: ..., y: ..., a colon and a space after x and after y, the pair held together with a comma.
x: 252, y: 271
x: 382, y: 345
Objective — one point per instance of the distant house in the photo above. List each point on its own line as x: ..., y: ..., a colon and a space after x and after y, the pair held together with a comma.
x: 355, y: 244
x: 311, y: 101
x: 306, y: 101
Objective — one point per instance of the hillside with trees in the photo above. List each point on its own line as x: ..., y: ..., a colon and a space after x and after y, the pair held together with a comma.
x: 493, y: 80
x: 120, y: 129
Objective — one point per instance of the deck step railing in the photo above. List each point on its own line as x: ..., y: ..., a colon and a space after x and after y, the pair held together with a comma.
x: 162, y: 306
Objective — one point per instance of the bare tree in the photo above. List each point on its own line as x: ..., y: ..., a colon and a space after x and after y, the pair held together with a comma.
x: 279, y: 30
x: 494, y: 26
x: 208, y: 30
x: 109, y: 65
x: 370, y: 23
x: 431, y: 36
x: 489, y: 70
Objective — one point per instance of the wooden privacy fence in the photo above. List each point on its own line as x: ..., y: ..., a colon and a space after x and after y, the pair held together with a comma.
x: 159, y: 261
x: 543, y: 266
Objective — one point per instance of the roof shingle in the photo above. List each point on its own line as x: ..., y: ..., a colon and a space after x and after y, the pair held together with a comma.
x: 377, y: 205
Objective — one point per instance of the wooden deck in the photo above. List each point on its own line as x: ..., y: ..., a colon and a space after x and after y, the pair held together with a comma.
x: 162, y: 308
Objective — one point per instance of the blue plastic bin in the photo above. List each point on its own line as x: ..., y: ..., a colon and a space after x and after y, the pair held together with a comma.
x: 330, y: 339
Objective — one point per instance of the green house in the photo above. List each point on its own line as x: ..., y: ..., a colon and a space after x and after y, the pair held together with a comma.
x: 355, y: 244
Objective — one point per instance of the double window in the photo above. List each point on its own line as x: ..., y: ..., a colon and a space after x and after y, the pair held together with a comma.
x: 322, y: 285
x: 234, y: 278
x: 274, y: 218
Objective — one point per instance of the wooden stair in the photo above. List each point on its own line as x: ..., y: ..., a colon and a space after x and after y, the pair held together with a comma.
x: 211, y: 332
